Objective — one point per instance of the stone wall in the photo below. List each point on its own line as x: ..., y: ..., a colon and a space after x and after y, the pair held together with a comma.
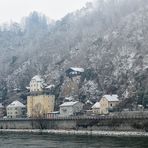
x: 119, y: 124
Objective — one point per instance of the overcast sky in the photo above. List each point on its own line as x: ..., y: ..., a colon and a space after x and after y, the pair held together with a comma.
x: 14, y: 10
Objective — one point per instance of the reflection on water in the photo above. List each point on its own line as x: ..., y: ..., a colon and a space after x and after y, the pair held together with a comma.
x: 61, y: 141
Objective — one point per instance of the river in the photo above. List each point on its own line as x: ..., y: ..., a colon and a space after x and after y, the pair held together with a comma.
x: 61, y: 141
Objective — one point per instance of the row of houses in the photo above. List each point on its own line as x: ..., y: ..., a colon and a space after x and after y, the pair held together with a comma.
x: 39, y: 104
x: 43, y: 108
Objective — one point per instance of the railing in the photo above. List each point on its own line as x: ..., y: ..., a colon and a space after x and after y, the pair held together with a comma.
x: 122, y: 115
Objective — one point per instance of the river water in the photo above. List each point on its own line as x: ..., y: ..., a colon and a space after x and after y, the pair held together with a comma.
x: 61, y: 141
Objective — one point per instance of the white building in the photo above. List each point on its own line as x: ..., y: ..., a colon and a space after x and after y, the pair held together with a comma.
x: 16, y: 110
x: 36, y: 84
x: 70, y: 108
x: 96, y: 108
x: 2, y: 110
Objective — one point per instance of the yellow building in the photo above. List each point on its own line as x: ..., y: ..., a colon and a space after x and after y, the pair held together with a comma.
x: 36, y: 84
x: 39, y: 106
x: 107, y: 103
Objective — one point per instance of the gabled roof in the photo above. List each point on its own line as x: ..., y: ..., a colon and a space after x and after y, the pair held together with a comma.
x: 71, y: 103
x: 16, y: 104
x: 77, y: 69
x: 111, y: 98
x: 38, y: 78
x: 96, y: 105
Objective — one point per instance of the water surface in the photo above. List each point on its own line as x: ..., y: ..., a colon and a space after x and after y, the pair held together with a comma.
x: 60, y: 141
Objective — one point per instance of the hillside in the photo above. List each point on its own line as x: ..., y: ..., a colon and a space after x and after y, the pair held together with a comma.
x: 108, y: 39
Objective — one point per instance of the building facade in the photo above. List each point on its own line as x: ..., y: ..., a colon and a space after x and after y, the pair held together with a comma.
x: 107, y: 103
x: 36, y: 84
x: 70, y: 108
x: 40, y: 105
x: 16, y: 110
x: 2, y: 110
x: 96, y: 108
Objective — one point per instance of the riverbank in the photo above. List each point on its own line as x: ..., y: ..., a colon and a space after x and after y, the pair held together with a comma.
x: 78, y: 132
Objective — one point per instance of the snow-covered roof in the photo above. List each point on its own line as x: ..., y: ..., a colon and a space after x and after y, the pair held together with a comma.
x: 37, y: 78
x: 27, y: 87
x: 16, y: 104
x: 111, y: 98
x: 69, y: 98
x: 55, y: 112
x: 16, y: 89
x: 96, y: 105
x: 50, y: 86
x: 88, y: 102
x: 77, y: 69
x: 68, y: 103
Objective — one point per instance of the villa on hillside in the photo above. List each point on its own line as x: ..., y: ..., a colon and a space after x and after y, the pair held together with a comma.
x: 74, y: 71
x: 36, y: 83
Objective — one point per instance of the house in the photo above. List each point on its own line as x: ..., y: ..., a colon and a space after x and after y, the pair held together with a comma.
x: 36, y: 84
x: 70, y: 108
x: 2, y: 110
x: 40, y: 105
x: 87, y: 106
x: 96, y: 108
x: 74, y: 71
x: 16, y: 110
x: 107, y: 103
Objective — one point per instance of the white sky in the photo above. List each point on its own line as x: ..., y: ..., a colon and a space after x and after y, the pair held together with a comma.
x: 14, y: 10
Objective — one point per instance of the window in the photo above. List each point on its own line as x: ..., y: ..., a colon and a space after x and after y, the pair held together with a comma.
x: 64, y: 109
x: 111, y: 105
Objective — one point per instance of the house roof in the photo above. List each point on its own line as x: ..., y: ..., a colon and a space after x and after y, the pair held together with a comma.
x: 50, y: 86
x: 16, y: 104
x: 96, y: 105
x: 111, y: 98
x: 37, y: 78
x: 88, y: 102
x: 77, y: 69
x: 69, y: 98
x: 71, y: 103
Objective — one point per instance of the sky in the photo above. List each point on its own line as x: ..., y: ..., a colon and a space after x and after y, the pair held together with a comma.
x: 14, y: 10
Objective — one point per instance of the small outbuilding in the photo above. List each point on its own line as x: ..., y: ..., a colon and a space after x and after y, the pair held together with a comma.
x: 71, y: 108
x: 96, y: 108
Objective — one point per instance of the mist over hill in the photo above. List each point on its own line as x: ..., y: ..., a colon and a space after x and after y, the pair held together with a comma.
x: 106, y: 38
